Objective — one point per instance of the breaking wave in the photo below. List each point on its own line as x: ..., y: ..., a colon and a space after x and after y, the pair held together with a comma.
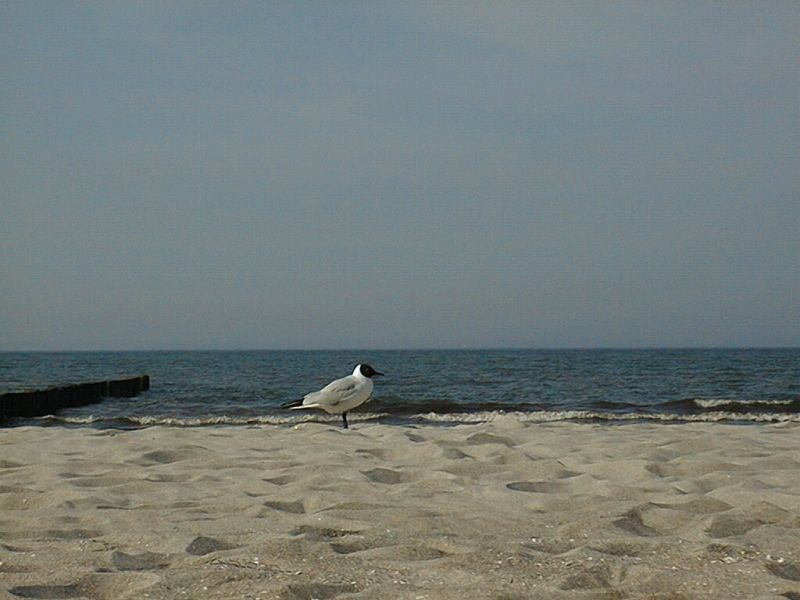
x: 738, y: 407
x: 440, y: 418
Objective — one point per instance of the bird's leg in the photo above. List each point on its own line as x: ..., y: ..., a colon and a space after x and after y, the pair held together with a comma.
x: 344, y: 420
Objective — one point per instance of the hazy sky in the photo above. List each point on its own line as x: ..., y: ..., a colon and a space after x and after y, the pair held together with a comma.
x: 387, y: 174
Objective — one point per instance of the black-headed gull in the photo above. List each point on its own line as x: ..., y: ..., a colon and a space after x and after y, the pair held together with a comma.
x: 342, y: 395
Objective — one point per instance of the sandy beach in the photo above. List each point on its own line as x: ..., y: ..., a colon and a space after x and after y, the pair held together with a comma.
x: 499, y: 510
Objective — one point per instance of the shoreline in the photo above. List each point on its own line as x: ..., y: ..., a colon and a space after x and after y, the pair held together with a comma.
x: 502, y: 509
x: 284, y: 419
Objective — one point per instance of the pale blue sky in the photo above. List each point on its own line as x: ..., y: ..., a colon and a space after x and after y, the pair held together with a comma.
x: 386, y: 174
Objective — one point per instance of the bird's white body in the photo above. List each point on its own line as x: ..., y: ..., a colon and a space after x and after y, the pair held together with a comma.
x: 341, y: 395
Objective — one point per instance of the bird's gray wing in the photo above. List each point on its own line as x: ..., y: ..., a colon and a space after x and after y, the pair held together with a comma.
x: 334, y: 393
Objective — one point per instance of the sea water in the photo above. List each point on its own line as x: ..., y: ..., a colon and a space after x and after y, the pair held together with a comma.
x: 198, y: 388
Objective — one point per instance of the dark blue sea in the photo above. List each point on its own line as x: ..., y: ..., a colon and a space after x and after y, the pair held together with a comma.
x: 428, y: 386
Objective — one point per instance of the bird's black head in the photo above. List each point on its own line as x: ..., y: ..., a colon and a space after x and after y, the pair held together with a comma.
x: 368, y: 371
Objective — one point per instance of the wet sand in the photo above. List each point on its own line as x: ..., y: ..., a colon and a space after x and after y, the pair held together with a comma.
x: 500, y: 510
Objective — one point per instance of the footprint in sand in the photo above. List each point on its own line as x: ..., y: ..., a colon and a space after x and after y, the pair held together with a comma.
x: 387, y: 476
x: 540, y: 487
x: 621, y: 549
x: 414, y: 553
x: 98, y: 587
x: 146, y: 561
x: 376, y: 452
x: 202, y: 545
x: 598, y: 576
x: 405, y: 553
x: 282, y: 480
x: 165, y: 457
x: 632, y: 522
x: 71, y: 590
x: 321, y: 533
x: 725, y: 525
x: 699, y: 506
x: 295, y: 508
x: 67, y: 534
x: 454, y: 454
x: 350, y: 547
x: 71, y: 475
x: 168, y: 478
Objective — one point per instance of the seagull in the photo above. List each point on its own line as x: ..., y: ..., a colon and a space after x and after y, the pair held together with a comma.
x: 341, y: 395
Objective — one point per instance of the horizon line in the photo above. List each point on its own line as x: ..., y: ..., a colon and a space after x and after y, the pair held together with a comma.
x: 406, y: 349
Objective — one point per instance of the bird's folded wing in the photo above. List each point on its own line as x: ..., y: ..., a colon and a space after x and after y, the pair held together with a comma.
x: 332, y: 394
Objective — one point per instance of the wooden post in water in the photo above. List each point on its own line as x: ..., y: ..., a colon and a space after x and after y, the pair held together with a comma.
x: 37, y: 403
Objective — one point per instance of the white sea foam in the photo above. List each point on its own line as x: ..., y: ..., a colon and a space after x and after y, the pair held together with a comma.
x: 432, y: 418
x: 714, y: 402
x: 583, y: 415
x: 201, y: 421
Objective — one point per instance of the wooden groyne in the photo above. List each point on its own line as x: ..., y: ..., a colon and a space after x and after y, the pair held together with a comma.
x: 37, y: 403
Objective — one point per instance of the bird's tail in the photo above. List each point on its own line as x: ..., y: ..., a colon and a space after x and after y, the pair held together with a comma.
x: 293, y: 404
